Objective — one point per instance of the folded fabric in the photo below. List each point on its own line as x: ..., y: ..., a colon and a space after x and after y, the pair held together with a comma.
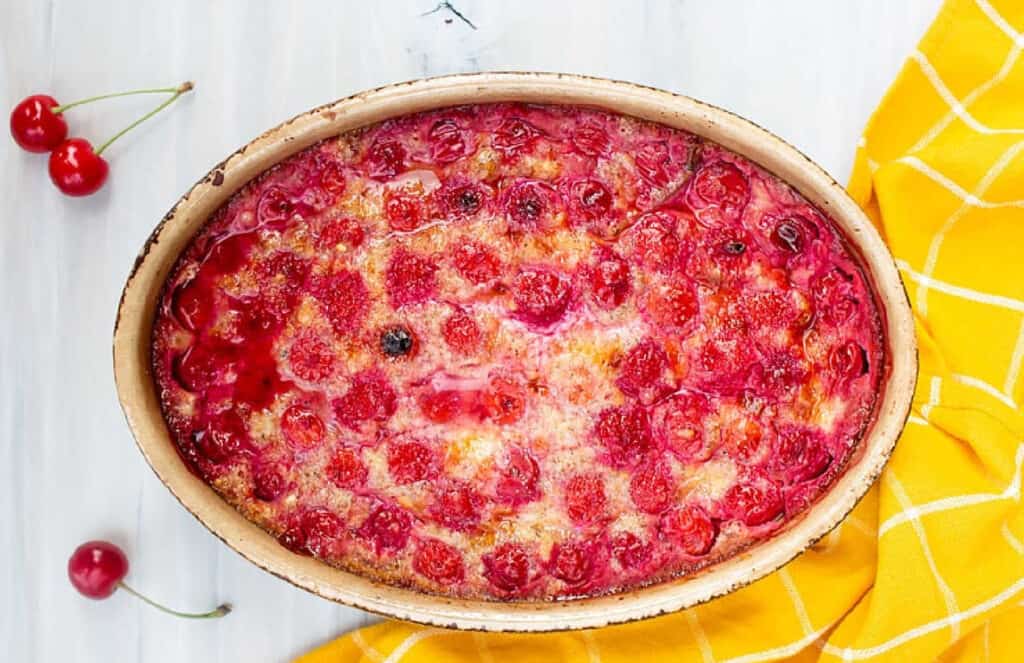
x: 930, y: 565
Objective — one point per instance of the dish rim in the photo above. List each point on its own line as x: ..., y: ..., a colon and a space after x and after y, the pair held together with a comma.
x: 137, y: 392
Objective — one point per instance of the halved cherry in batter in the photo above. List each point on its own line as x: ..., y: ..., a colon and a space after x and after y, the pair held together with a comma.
x: 654, y: 162
x: 346, y: 469
x: 590, y: 206
x: 679, y: 421
x: 672, y: 305
x: 848, y: 361
x: 591, y: 139
x: 462, y: 333
x: 410, y: 278
x: 459, y: 199
x: 310, y: 357
x: 630, y: 551
x: 404, y: 210
x: 800, y: 454
x: 514, y: 134
x: 438, y: 561
x: 456, y: 506
x: 341, y: 232
x: 517, y: 482
x: 584, y: 498
x: 385, y: 159
x: 268, y: 482
x: 610, y: 279
x: 322, y: 530
x: 753, y: 501
x: 510, y: 567
x: 721, y: 185
x: 690, y: 529
x: 301, y: 427
x: 654, y: 241
x: 447, y: 142
x: 504, y: 400
x: 541, y: 296
x: 343, y: 298
x: 411, y: 461
x: 625, y: 433
x: 572, y: 562
x: 192, y: 304
x: 387, y: 528
x: 531, y: 205
x: 370, y: 398
x: 441, y: 406
x: 644, y: 372
x: 652, y: 487
x: 224, y: 436
x: 476, y: 263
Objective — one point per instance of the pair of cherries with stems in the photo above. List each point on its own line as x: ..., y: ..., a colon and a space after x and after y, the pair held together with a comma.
x: 38, y: 125
x: 97, y: 569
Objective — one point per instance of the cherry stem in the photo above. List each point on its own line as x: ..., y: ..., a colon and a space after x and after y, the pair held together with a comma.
x: 178, y: 91
x: 219, y: 611
x: 57, y: 110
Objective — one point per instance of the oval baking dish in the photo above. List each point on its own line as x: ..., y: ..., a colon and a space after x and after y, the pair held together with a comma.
x: 133, y: 340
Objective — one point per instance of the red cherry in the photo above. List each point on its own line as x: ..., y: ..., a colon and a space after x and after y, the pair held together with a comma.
x: 591, y: 140
x: 446, y: 142
x: 541, y: 296
x: 76, y: 169
x: 343, y: 298
x: 410, y: 278
x: 409, y: 462
x: 720, y: 184
x: 404, y: 210
x: 462, y: 333
x: 387, y: 528
x: 97, y: 568
x: 689, y: 529
x: 629, y: 550
x: 584, y: 498
x: 518, y: 481
x: 656, y: 244
x: 504, y: 400
x: 476, y: 263
x: 572, y: 562
x: 653, y: 161
x: 438, y: 561
x: 679, y: 421
x: 35, y: 127
x: 508, y: 567
x: 371, y: 398
x: 652, y: 488
x: 441, y: 406
x: 301, y: 427
x: 625, y: 432
x: 642, y: 370
x: 753, y: 503
x: 514, y: 134
x: 346, y: 469
x: 531, y: 204
x: 456, y: 506
x: 609, y: 280
x: 385, y: 159
x: 321, y: 529
x: 311, y: 357
x: 268, y: 483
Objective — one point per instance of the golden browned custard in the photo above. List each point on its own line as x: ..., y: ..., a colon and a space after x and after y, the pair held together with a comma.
x: 518, y: 352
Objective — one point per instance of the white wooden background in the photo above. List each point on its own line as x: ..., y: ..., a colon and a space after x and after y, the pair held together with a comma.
x: 810, y: 70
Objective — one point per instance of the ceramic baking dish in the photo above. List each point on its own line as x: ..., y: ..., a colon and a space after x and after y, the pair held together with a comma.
x: 133, y: 329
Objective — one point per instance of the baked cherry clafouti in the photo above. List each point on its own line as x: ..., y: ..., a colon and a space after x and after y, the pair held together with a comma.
x: 518, y: 352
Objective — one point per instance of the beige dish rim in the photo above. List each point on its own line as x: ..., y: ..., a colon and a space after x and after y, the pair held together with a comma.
x: 141, y: 406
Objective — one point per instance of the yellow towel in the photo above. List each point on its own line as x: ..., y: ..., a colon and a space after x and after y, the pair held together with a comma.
x: 931, y: 563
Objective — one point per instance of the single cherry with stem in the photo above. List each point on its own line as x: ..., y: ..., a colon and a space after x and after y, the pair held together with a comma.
x: 38, y: 125
x: 97, y: 569
x: 79, y: 170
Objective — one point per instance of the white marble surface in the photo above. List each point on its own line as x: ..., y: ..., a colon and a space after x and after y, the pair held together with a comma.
x: 810, y: 70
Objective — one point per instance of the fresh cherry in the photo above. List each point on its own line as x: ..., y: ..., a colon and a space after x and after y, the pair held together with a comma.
x: 97, y: 569
x: 35, y: 126
x: 79, y: 170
